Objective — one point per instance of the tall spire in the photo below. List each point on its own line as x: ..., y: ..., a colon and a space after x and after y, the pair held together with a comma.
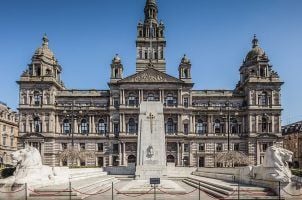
x: 151, y: 10
x: 150, y: 41
x: 255, y: 41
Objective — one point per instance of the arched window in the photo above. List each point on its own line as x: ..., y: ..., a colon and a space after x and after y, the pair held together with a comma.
x: 262, y: 72
x: 234, y: 126
x: 37, y: 125
x: 200, y: 127
x: 131, y: 126
x: 150, y: 97
x: 37, y: 98
x: 186, y: 74
x: 131, y: 159
x: 140, y: 54
x: 102, y: 126
x: 217, y: 126
x: 170, y: 126
x: 170, y: 159
x: 115, y: 73
x: 38, y: 70
x: 84, y: 126
x: 66, y: 126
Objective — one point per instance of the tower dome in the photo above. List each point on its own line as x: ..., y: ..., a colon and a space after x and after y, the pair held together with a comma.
x: 44, y: 49
x: 255, y: 52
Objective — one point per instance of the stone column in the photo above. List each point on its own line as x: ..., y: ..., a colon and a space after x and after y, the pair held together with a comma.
x: 179, y: 98
x: 110, y: 160
x: 120, y: 154
x: 179, y: 124
x: 210, y: 127
x: 256, y: 125
x: 124, y: 124
x: 182, y: 153
x: 139, y: 96
x: 27, y: 124
x: 43, y: 124
x: 191, y: 154
x: 178, y: 154
x: 75, y: 126
x: 124, y: 154
x: 92, y: 124
x: 110, y: 124
x: 273, y: 124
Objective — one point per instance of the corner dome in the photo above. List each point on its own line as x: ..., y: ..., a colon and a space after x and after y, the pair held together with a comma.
x: 255, y: 52
x: 185, y: 59
x: 116, y: 59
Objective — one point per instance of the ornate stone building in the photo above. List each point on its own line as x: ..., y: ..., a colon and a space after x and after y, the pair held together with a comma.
x: 292, y: 141
x: 197, y: 122
x: 8, y: 133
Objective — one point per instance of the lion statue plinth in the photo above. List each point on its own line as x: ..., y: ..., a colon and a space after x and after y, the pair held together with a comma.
x: 275, y: 166
x: 29, y: 169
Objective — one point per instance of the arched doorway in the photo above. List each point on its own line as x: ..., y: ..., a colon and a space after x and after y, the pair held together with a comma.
x: 132, y: 159
x: 170, y: 159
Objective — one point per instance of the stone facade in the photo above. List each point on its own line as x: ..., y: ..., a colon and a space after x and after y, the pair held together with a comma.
x: 197, y: 122
x: 292, y: 140
x: 8, y: 133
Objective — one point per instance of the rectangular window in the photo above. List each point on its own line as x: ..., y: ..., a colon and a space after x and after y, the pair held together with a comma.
x: 186, y: 102
x: 64, y: 146
x: 82, y: 146
x: 201, y: 147
x: 116, y: 128
x: 115, y: 148
x: 264, y: 147
x: 236, y: 147
x: 186, y: 129
x: 219, y: 147
x: 116, y: 102
x: 186, y: 148
x: 4, y: 141
x: 4, y: 127
x: 12, y: 130
x: 11, y: 142
x: 100, y: 147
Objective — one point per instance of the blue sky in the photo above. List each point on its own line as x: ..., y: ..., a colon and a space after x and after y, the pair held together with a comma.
x: 215, y: 35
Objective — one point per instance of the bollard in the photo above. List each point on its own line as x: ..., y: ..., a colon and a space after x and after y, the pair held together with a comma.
x: 112, y: 191
x: 25, y: 191
x: 199, y: 190
x: 69, y: 190
x: 238, y: 189
x: 154, y: 192
x: 279, y: 190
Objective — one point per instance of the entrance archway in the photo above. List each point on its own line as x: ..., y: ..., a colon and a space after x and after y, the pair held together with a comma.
x: 170, y: 159
x: 132, y: 159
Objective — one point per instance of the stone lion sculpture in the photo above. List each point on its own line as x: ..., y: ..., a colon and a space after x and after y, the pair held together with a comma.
x: 29, y: 169
x: 274, y: 166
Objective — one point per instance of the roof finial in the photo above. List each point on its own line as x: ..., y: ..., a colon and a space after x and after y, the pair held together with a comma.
x: 255, y: 41
x: 45, y: 40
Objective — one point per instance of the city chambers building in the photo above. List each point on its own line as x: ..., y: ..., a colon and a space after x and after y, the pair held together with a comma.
x: 198, y: 123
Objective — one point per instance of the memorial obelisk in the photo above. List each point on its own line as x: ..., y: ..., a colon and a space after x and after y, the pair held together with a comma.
x: 151, y: 148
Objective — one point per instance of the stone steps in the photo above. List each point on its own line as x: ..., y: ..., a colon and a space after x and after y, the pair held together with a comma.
x: 81, y: 189
x: 78, y: 174
x: 228, y: 190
